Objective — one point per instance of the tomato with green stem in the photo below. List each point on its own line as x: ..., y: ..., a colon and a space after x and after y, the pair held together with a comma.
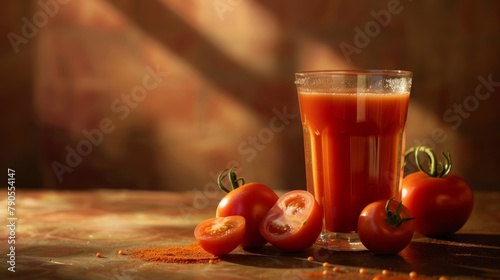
x: 294, y: 222
x: 385, y: 227
x: 220, y: 236
x: 440, y: 202
x: 251, y: 200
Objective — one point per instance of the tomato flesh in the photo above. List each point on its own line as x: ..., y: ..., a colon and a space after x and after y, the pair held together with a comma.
x: 377, y: 235
x: 294, y: 222
x: 252, y: 201
x: 440, y: 206
x: 221, y: 235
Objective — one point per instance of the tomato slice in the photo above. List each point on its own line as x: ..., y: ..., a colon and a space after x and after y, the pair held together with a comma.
x: 220, y: 235
x: 294, y: 222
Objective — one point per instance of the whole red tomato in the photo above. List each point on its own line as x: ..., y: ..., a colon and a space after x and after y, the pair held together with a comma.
x: 439, y: 201
x: 385, y: 227
x: 252, y: 201
x: 294, y: 222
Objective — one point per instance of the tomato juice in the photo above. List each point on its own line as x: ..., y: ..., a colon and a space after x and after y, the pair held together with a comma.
x: 353, y: 149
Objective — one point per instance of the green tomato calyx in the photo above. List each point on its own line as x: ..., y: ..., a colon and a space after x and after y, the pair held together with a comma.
x: 394, y: 219
x: 437, y: 169
x: 234, y: 180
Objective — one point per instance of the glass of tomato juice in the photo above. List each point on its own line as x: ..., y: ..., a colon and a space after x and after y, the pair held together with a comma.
x: 353, y: 124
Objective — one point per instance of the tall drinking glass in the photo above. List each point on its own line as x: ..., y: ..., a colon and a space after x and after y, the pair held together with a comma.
x: 353, y: 124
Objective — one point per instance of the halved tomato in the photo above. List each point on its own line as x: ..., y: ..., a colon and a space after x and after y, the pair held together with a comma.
x: 294, y: 222
x: 220, y: 235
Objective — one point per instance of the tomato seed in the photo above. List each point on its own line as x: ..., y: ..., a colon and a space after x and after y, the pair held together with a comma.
x: 279, y: 227
x: 413, y: 274
x: 99, y: 255
x: 386, y: 272
x: 218, y: 228
x: 325, y: 264
x: 363, y: 271
x: 310, y: 258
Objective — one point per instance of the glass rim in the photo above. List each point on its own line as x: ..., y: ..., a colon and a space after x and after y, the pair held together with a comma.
x: 371, y: 72
x: 376, y: 81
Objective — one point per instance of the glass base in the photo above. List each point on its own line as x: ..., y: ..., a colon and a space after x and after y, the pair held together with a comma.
x: 340, y: 241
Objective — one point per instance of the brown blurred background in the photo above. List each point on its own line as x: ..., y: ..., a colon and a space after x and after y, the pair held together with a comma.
x: 165, y: 94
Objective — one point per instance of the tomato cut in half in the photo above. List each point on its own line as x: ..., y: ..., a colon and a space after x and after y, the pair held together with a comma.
x: 294, y: 222
x: 220, y: 235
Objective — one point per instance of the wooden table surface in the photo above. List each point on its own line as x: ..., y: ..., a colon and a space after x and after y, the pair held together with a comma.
x: 58, y: 233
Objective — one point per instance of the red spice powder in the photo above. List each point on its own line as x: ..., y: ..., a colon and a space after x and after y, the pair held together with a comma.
x: 192, y: 253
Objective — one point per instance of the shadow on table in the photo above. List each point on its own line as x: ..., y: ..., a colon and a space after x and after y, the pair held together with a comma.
x: 491, y: 240
x: 270, y: 257
x: 460, y: 254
